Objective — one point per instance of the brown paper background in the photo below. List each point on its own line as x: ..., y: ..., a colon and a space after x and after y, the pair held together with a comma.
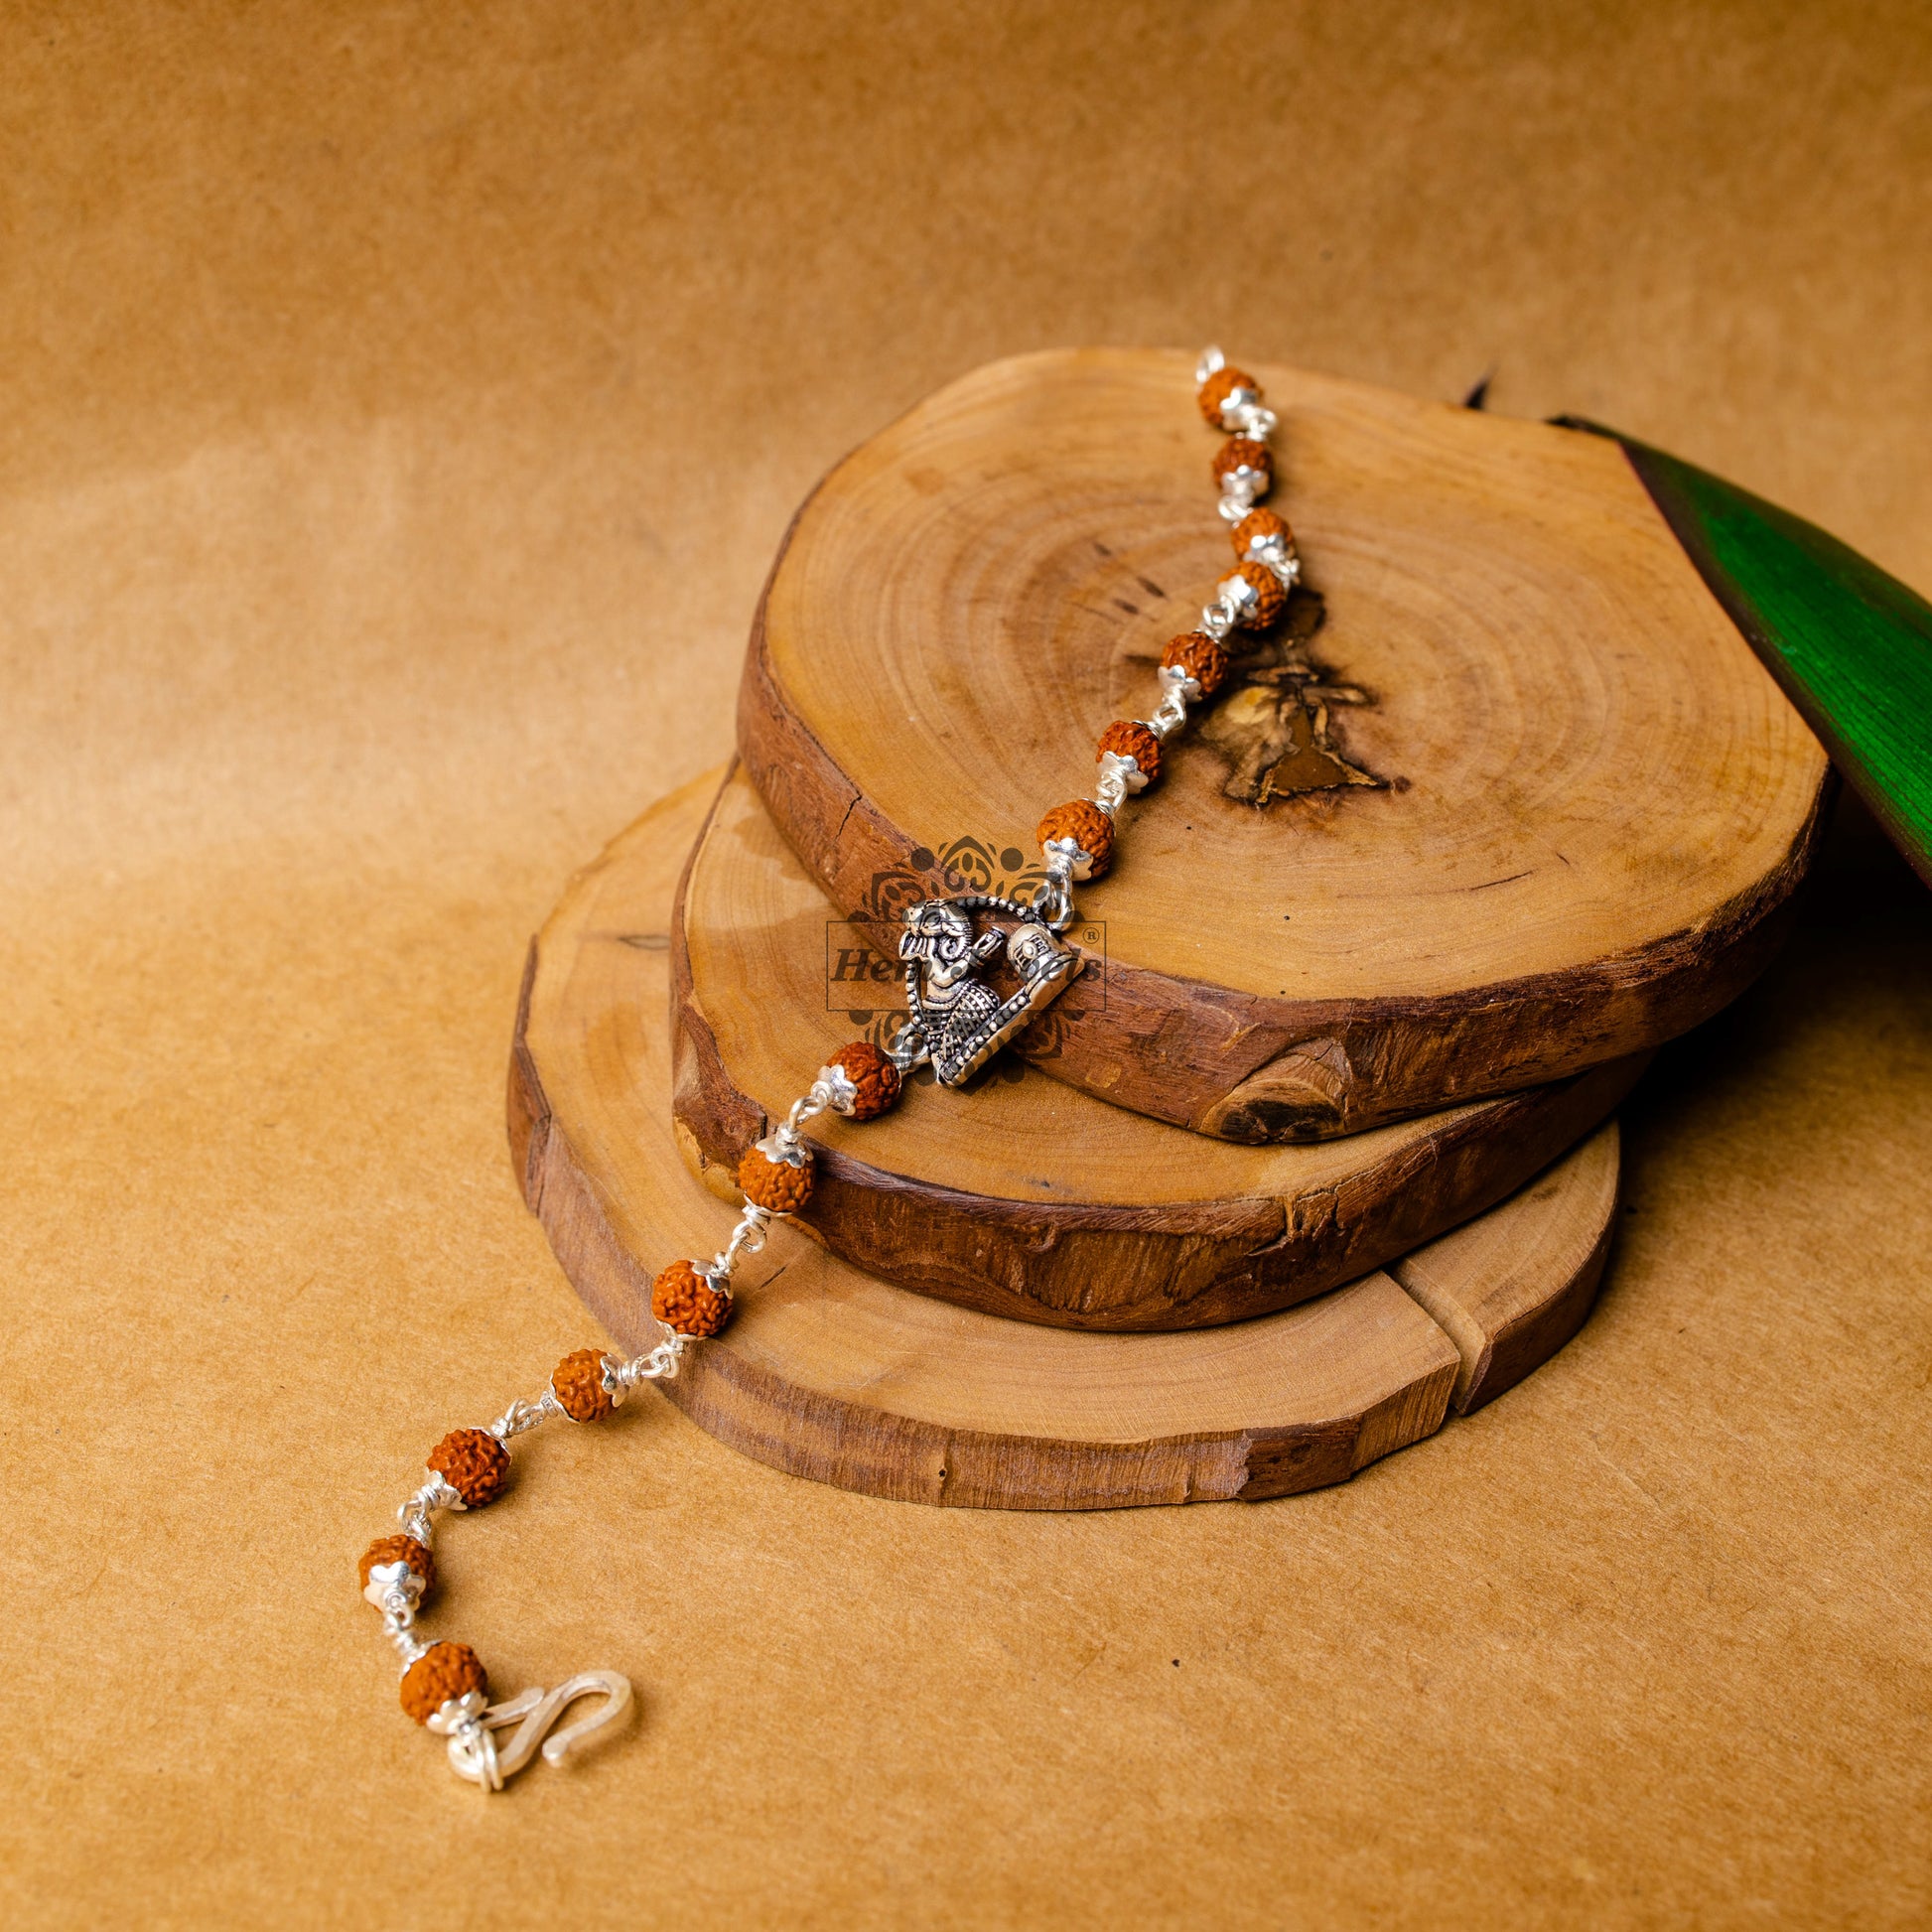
x: 401, y: 406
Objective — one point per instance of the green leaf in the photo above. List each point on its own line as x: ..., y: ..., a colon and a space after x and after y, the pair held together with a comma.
x: 1850, y: 645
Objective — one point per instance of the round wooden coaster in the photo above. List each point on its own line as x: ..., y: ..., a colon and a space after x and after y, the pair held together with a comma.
x: 1021, y: 1197
x: 1506, y: 797
x: 825, y: 1372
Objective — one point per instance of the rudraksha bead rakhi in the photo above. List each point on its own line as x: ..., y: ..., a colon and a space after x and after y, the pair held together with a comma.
x: 956, y: 1024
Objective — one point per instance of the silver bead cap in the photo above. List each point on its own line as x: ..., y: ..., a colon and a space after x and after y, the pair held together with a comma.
x: 841, y: 1091
x: 783, y: 1148
x: 1074, y: 861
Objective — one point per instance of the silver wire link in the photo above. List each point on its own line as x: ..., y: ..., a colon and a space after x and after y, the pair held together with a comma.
x: 747, y: 1237
x: 1219, y: 617
x: 415, y: 1515
x: 908, y: 1049
x: 1119, y: 778
x: 657, y: 1365
x: 1054, y: 901
x: 1177, y: 687
x: 522, y: 1416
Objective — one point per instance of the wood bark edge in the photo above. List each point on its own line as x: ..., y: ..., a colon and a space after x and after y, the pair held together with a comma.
x: 1108, y: 1267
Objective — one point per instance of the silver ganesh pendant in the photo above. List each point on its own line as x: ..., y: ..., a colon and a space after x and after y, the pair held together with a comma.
x: 958, y: 1022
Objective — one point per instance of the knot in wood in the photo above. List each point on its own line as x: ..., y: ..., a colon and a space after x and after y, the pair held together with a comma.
x: 875, y: 1079
x: 386, y: 1550
x: 577, y: 1384
x: 683, y: 1299
x: 1241, y: 454
x: 1127, y: 739
x: 1082, y: 821
x: 474, y: 1464
x: 443, y: 1672
x: 1202, y: 657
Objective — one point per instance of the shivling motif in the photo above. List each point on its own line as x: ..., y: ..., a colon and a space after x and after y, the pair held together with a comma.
x: 957, y: 1023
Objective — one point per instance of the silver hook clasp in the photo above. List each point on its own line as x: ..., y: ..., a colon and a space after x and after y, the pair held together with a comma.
x: 468, y: 1722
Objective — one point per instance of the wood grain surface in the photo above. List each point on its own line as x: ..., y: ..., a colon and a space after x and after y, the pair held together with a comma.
x: 1024, y: 1196
x: 1590, y: 801
x: 1511, y: 1286
x: 828, y: 1373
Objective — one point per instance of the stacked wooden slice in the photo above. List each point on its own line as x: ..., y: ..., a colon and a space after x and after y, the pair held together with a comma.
x: 1318, y: 1149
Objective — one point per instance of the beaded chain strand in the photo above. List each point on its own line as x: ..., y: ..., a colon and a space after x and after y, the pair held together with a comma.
x: 443, y: 1684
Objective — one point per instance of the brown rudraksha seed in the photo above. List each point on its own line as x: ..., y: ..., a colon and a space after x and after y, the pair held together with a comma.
x: 873, y: 1076
x: 1082, y: 821
x: 398, y: 1549
x: 1261, y: 530
x: 683, y: 1299
x: 776, y: 1184
x: 444, y: 1671
x: 1270, y: 599
x: 474, y: 1464
x: 1133, y: 741
x: 1201, y: 657
x: 1215, y: 391
x: 577, y: 1384
x: 1243, y: 453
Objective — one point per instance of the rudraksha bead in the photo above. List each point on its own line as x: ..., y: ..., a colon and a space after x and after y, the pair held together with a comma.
x: 1259, y: 531
x: 1201, y: 657
x: 683, y: 1299
x: 777, y: 1184
x: 875, y: 1079
x: 1215, y: 391
x: 1082, y: 821
x: 386, y: 1550
x: 1129, y: 740
x: 443, y: 1672
x: 1270, y: 599
x: 1244, y: 452
x: 474, y: 1464
x: 577, y: 1384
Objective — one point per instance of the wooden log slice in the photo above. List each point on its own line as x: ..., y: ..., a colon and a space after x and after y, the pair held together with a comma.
x: 825, y: 1372
x: 1511, y: 1286
x: 1508, y: 796
x: 1023, y: 1196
